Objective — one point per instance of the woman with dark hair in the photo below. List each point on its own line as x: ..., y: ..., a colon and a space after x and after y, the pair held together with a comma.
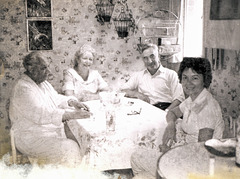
x: 202, y: 117
x: 199, y: 65
x: 200, y: 109
x: 81, y: 81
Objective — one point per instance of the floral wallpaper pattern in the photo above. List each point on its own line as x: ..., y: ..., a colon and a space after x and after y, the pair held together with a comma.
x: 225, y: 84
x: 74, y: 23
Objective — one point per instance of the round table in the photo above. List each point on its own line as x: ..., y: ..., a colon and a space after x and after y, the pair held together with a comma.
x: 193, y: 161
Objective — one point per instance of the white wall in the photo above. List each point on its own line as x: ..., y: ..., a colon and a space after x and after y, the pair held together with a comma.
x: 223, y: 34
x: 193, y: 28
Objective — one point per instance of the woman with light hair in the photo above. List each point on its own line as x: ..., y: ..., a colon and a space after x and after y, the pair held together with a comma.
x: 81, y: 81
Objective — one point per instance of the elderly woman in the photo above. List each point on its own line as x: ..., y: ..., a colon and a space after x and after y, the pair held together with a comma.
x: 81, y: 81
x: 37, y: 113
x: 200, y: 111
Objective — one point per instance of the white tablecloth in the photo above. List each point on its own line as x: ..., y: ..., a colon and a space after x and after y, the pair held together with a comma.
x: 112, y: 150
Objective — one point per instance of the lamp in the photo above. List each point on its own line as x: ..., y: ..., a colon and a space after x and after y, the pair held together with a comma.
x: 104, y: 9
x: 123, y: 23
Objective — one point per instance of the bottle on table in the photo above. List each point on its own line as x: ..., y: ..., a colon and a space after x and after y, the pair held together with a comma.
x: 237, y: 157
x: 110, y: 120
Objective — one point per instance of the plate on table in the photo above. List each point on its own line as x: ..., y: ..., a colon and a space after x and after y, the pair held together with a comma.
x: 221, y: 147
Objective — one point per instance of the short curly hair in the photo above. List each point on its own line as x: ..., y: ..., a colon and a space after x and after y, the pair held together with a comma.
x: 81, y: 51
x: 200, y: 65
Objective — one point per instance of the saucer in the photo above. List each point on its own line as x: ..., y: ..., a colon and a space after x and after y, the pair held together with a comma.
x: 221, y: 147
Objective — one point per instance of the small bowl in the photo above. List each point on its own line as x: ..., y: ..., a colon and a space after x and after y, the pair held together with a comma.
x: 222, y: 147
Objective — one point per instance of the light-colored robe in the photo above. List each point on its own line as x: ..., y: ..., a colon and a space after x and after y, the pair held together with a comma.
x: 36, y: 115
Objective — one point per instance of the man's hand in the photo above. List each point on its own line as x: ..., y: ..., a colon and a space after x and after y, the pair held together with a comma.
x: 169, y: 134
x: 143, y: 97
x: 136, y: 94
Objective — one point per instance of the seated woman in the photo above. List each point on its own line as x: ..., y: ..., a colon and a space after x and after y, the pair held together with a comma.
x: 81, y: 81
x: 200, y: 111
x: 37, y: 113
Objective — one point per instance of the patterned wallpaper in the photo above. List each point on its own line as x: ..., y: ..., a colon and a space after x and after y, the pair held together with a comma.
x: 226, y: 84
x: 74, y: 23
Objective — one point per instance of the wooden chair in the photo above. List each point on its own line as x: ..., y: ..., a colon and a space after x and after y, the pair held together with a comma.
x: 18, y: 157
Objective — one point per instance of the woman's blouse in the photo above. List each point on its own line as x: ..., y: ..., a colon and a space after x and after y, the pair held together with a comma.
x: 203, y: 112
x: 73, y: 81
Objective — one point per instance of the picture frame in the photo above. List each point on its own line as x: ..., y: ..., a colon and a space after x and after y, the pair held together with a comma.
x: 225, y: 9
x: 39, y: 35
x: 38, y: 8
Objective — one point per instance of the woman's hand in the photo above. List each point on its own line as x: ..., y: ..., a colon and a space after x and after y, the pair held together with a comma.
x: 81, y: 114
x: 77, y: 114
x: 164, y: 148
x: 169, y: 134
x: 78, y: 105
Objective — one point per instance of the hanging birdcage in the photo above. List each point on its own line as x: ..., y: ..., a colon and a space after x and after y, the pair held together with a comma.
x: 160, y: 27
x: 105, y: 9
x: 122, y: 24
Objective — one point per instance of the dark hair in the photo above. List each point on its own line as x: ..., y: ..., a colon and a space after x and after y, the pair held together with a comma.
x: 31, y: 58
x: 200, y: 65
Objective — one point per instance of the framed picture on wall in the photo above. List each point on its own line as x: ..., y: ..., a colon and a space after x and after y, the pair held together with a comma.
x: 38, y: 8
x: 39, y: 35
x: 225, y: 9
